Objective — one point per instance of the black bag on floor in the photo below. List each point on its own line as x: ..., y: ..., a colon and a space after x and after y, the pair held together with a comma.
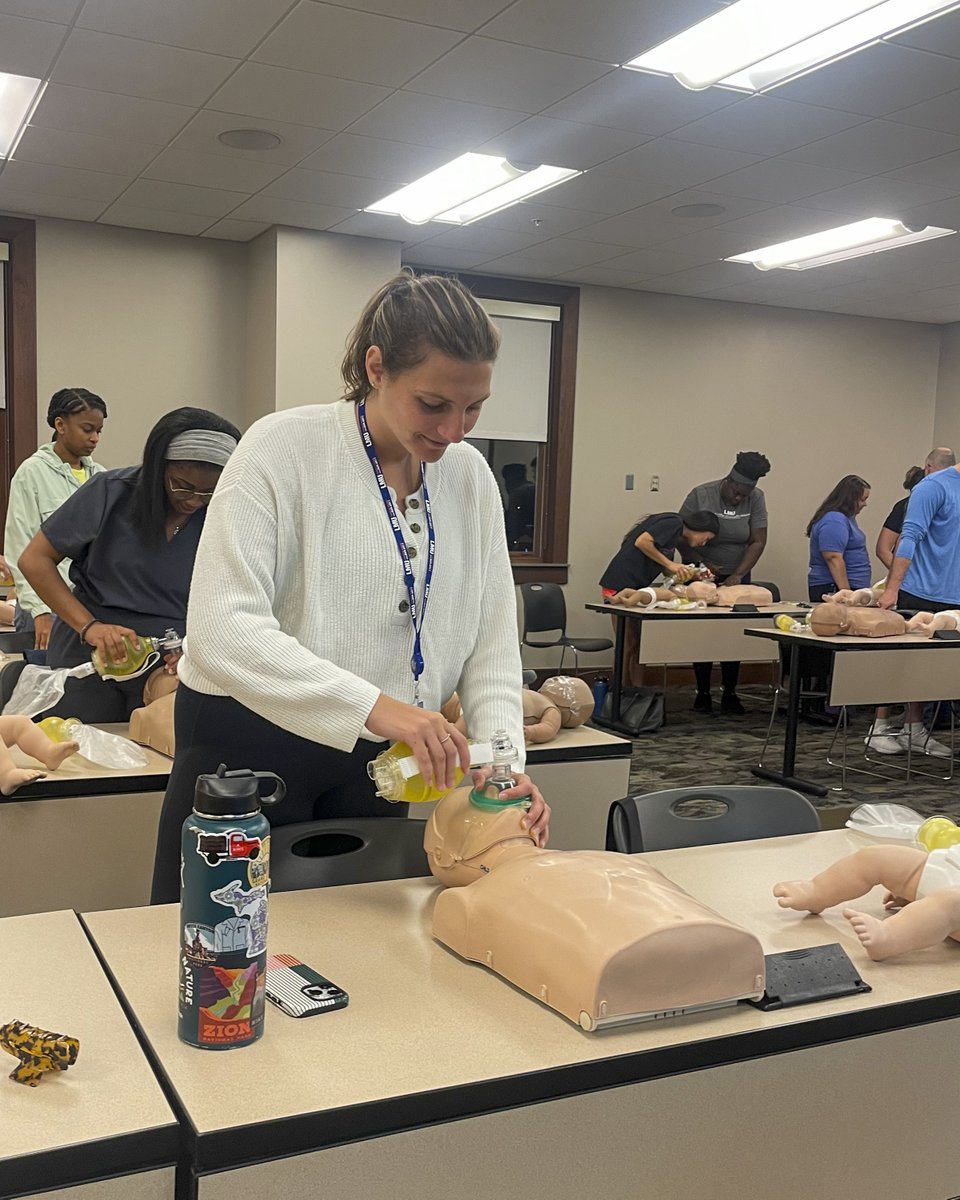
x: 641, y: 710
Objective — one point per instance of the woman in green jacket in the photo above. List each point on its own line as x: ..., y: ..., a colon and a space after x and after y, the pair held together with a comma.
x: 41, y: 484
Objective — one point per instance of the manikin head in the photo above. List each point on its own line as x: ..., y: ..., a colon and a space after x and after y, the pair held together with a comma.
x: 572, y: 696
x: 464, y: 842
x: 421, y: 356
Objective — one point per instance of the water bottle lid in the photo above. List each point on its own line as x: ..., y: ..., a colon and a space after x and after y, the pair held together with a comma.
x: 235, y: 793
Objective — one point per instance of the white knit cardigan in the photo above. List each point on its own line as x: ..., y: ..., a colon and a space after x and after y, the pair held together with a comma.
x: 295, y: 605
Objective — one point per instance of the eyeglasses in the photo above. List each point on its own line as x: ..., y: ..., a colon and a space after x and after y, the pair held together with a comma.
x: 191, y: 494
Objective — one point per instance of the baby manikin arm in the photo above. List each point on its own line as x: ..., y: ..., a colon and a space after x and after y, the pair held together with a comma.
x: 602, y: 938
x: 926, y: 624
x: 541, y: 718
x: 641, y: 597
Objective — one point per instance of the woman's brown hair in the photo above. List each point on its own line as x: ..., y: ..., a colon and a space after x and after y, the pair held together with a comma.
x: 409, y: 316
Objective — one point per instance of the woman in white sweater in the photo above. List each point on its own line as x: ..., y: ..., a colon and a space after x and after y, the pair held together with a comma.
x: 353, y: 573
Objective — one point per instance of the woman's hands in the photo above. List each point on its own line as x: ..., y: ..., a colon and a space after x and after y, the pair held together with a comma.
x: 108, y: 639
x: 682, y: 572
x: 538, y: 817
x: 437, y: 745
x: 42, y: 626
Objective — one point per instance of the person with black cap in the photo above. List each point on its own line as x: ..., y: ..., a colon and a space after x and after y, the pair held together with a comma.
x: 741, y: 510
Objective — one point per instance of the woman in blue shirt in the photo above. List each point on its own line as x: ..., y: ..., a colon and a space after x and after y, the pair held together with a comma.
x: 838, y: 548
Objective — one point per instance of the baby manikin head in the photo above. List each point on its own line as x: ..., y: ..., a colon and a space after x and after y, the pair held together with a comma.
x: 464, y: 842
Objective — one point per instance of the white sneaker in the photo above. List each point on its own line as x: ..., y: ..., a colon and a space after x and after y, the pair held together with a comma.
x: 884, y: 738
x: 923, y: 743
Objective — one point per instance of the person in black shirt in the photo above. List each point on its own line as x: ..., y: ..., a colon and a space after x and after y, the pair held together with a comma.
x: 648, y: 548
x: 647, y: 551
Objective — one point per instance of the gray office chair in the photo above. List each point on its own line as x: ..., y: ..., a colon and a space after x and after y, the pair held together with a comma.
x: 704, y: 816
x: 317, y: 854
x: 544, y: 611
x: 10, y: 672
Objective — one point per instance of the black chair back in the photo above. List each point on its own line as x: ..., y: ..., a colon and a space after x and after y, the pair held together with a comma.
x: 544, y: 609
x: 10, y: 672
x: 771, y: 588
x: 705, y: 816
x: 329, y: 853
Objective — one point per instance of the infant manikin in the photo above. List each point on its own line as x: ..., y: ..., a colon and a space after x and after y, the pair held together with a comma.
x: 30, y: 738
x: 602, y: 938
x: 152, y: 725
x: 541, y: 718
x: 573, y: 698
x: 700, y: 593
x: 926, y: 624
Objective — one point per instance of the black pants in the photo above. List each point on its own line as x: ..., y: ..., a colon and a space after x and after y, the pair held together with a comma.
x: 729, y: 671
x: 321, y: 782
x: 93, y: 700
x: 909, y: 600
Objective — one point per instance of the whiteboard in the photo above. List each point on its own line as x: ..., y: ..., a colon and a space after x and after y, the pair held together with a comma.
x: 517, y: 408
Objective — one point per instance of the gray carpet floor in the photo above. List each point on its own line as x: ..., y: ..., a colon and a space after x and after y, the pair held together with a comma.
x: 693, y: 750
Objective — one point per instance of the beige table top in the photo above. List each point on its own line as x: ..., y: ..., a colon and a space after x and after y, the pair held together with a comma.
x: 580, y: 743
x: 79, y: 777
x: 899, y: 641
x: 110, y: 1097
x: 712, y: 610
x: 428, y: 1037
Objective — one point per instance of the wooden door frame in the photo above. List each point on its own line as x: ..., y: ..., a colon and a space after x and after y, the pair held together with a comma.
x: 18, y: 421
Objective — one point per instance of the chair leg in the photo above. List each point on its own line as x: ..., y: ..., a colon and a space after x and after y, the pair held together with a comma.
x: 563, y: 654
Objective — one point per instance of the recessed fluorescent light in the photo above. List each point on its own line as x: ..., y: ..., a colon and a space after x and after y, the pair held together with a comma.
x: 468, y: 188
x: 834, y: 245
x: 758, y: 44
x: 19, y: 96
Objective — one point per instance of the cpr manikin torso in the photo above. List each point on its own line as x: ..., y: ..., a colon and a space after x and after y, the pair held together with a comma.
x: 601, y: 938
x: 831, y: 620
x: 700, y: 592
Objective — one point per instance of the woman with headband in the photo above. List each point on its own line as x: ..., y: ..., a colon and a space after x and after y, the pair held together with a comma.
x: 353, y: 574
x: 741, y: 509
x: 132, y: 534
x: 41, y: 484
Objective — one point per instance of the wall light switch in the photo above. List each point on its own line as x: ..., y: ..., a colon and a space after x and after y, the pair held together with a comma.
x: 628, y: 483
x: 654, y: 483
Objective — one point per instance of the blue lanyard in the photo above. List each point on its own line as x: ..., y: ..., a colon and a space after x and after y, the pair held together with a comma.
x: 416, y: 661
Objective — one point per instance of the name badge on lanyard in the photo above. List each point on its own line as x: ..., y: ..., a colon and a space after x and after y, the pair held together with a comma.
x: 417, y: 612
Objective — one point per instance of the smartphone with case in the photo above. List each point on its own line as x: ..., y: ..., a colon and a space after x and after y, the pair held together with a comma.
x: 299, y: 990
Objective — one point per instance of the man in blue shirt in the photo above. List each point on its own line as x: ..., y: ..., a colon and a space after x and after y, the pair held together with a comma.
x: 926, y: 568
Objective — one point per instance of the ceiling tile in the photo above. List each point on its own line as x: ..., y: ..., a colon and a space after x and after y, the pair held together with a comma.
x: 561, y: 143
x: 942, y: 171
x: 181, y: 197
x: 520, y: 77
x: 429, y: 121
x: 465, y: 15
x: 324, y: 187
x: 28, y: 47
x: 517, y: 266
x: 212, y: 171
x: 651, y: 262
x: 766, y: 125
x: 876, y: 146
x: 231, y: 27
x: 599, y: 193
x: 62, y: 181
x: 426, y: 254
x: 488, y: 240
x: 106, y: 63
x: 601, y: 275
x: 36, y: 204
x: 232, y: 230
x: 107, y: 114
x: 945, y: 213
x: 875, y: 81
x: 563, y: 254
x: 61, y: 11
x: 636, y: 101
x: 780, y: 180
x: 609, y: 30
x: 375, y: 158
x: 941, y: 35
x: 538, y: 219
x: 377, y: 225
x: 201, y: 134
x: 943, y: 112
x: 161, y: 220
x: 881, y: 196
x: 301, y: 98
x: 707, y: 278
x: 709, y: 245
x: 781, y: 223
x: 667, y: 165
x: 62, y: 149
x: 354, y: 45
x: 290, y: 212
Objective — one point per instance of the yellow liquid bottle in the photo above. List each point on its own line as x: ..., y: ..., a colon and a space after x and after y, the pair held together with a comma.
x: 938, y: 833
x: 59, y: 729
x: 391, y: 772
x: 120, y: 668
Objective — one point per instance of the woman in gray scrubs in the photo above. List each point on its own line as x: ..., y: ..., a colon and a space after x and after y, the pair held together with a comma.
x: 741, y: 509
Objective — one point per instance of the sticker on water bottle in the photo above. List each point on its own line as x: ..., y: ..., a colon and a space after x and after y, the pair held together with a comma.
x: 215, y: 848
x: 250, y: 909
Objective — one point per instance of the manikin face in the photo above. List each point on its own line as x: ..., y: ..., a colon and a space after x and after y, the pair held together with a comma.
x: 422, y: 411
x: 79, y: 433
x: 464, y: 843
x: 188, y: 486
x: 862, y: 502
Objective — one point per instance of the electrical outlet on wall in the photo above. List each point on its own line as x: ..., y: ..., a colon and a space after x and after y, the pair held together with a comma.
x: 654, y: 483
x: 628, y: 483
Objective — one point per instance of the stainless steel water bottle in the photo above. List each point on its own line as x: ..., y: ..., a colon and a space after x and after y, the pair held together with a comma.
x: 225, y: 881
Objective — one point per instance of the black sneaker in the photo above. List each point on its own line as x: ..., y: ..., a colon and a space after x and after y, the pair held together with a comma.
x: 730, y: 704
x: 703, y: 703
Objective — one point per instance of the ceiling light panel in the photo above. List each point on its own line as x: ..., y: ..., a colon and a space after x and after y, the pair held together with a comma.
x: 19, y: 96
x: 754, y: 45
x: 871, y: 236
